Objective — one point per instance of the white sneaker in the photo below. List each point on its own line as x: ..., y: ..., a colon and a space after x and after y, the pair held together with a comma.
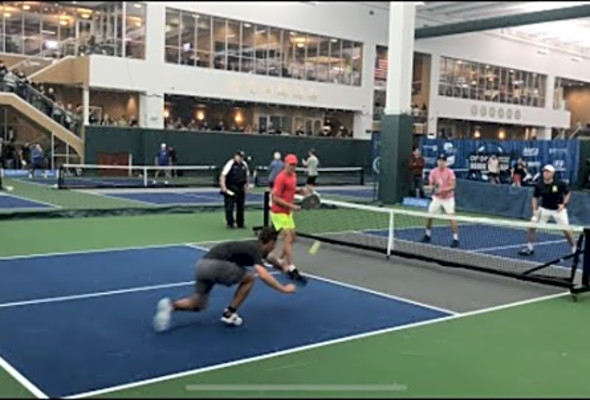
x: 163, y: 315
x: 233, y: 319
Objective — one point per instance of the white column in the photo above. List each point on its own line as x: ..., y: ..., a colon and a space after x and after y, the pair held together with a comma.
x: 86, y: 105
x: 400, y: 58
x: 545, y: 134
x: 155, y: 25
x: 362, y: 125
x: 432, y: 127
x: 151, y: 110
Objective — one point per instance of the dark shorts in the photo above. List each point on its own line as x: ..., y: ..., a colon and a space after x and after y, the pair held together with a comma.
x: 311, y: 180
x: 217, y: 272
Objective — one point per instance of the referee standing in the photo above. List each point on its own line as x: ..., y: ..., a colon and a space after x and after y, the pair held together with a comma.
x: 234, y: 186
x: 554, y: 196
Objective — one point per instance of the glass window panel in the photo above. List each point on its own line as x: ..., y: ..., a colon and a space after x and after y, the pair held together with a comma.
x: 347, y: 61
x: 274, y: 58
x: 247, y: 52
x: 204, y: 39
x: 542, y: 90
x: 324, y: 60
x: 357, y: 64
x: 13, y: 22
x: 50, y: 30
x: 172, y: 32
x: 306, y: 64
x: 336, y: 60
x: 187, y: 38
x: 32, y: 28
x: 261, y: 49
x: 287, y: 53
x: 233, y: 45
x: 219, y: 38
x: 67, y: 24
x: 135, y: 30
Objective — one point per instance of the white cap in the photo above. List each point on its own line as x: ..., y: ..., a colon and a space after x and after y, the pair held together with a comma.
x: 549, y: 168
x: 163, y: 145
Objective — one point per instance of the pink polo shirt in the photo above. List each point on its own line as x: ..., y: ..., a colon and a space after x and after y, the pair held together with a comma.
x: 443, y: 178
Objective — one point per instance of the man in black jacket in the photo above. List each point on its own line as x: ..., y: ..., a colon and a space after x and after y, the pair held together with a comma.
x: 234, y: 186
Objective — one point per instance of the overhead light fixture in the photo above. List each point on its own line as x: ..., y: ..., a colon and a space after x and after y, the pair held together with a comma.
x: 137, y: 5
x: 247, y: 25
x: 63, y: 23
x: 7, y: 15
x: 419, y: 3
x: 26, y: 7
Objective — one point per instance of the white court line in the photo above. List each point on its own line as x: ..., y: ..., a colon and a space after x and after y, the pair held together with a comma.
x: 514, y: 246
x: 310, y: 347
x: 94, y: 251
x: 362, y: 289
x: 35, y: 391
x: 93, y: 295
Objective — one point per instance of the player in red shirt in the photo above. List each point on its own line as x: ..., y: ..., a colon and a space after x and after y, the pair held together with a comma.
x: 283, y: 196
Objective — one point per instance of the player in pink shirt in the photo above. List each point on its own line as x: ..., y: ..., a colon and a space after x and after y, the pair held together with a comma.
x: 442, y: 180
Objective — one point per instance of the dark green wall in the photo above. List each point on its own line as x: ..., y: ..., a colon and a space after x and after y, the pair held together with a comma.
x: 583, y: 168
x: 212, y: 148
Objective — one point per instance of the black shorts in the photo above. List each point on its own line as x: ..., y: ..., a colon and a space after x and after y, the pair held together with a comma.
x: 311, y: 180
x: 217, y: 272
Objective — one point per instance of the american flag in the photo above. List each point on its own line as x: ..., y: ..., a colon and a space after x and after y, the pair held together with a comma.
x: 381, y: 69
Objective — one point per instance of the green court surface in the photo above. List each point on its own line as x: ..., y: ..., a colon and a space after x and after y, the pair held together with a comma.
x: 532, y: 348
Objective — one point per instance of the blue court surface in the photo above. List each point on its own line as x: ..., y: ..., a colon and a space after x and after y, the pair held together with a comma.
x: 492, y: 240
x: 79, y: 322
x: 11, y: 203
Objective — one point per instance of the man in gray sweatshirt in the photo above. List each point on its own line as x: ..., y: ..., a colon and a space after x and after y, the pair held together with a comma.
x: 275, y: 166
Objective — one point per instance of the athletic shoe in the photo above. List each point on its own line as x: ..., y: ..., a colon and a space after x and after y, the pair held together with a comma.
x: 526, y: 252
x: 163, y: 315
x: 426, y: 239
x: 297, y: 277
x: 232, y: 319
x: 455, y: 243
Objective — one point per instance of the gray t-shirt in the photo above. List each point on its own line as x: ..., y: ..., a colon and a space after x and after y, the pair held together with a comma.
x: 312, y: 166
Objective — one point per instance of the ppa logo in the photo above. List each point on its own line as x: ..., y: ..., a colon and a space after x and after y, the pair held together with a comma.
x: 553, y: 150
x: 530, y: 152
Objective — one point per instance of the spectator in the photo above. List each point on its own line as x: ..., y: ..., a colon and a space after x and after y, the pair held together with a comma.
x: 494, y: 169
x: 417, y: 170
x: 275, y: 166
x: 519, y: 172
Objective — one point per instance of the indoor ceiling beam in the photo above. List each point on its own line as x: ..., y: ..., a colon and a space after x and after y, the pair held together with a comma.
x: 508, y: 21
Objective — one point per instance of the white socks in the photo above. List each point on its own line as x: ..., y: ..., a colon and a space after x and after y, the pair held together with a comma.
x: 291, y: 268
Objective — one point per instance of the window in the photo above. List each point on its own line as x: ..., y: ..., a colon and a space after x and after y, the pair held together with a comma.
x: 246, y: 47
x: 172, y: 32
x: 135, y: 30
x: 32, y: 29
x: 204, y: 41
x: 469, y: 80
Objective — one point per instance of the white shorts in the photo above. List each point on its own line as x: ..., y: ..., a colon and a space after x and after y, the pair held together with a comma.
x: 448, y: 205
x: 543, y: 216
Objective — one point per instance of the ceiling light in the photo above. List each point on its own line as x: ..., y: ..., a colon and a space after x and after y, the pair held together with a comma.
x: 7, y: 15
x: 576, y: 59
x: 26, y: 7
x: 63, y: 23
x: 247, y: 25
x: 137, y: 5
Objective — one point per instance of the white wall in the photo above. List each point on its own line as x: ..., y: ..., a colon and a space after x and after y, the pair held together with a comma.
x: 471, y: 110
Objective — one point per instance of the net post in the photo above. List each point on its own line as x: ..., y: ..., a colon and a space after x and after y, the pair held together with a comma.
x: 362, y: 177
x: 390, y: 234
x: 586, y: 265
x: 266, y: 221
x: 60, y: 177
x: 145, y: 176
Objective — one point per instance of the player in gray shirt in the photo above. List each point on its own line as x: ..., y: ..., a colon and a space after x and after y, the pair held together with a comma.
x: 312, y: 163
x: 226, y: 264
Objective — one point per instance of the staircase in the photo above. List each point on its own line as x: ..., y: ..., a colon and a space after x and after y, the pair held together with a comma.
x: 42, y: 120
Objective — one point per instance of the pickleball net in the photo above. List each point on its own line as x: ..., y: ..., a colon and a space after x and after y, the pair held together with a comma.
x: 485, y: 244
x: 82, y: 176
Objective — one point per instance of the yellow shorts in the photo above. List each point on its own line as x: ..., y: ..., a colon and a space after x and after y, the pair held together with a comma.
x: 282, y: 221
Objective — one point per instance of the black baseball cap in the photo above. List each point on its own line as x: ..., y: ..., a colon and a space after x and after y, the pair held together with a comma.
x: 442, y: 157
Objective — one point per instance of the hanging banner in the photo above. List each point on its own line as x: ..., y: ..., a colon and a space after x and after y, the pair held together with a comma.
x: 469, y: 158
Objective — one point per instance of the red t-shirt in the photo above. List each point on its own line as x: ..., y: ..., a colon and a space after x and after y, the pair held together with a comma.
x: 285, y: 187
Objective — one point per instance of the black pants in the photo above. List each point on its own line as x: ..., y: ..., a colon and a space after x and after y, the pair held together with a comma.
x: 238, y: 201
